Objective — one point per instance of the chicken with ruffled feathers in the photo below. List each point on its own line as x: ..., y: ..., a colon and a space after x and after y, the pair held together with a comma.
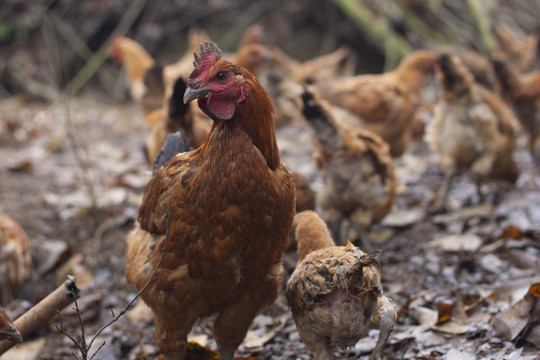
x: 335, y: 292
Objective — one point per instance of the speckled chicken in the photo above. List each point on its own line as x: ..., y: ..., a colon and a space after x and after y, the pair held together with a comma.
x: 335, y: 292
x: 522, y: 92
x: 472, y: 129
x: 385, y: 104
x: 356, y: 167
x: 8, y: 331
x: 15, y: 261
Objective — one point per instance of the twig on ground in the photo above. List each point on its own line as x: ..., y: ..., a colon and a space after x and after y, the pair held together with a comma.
x: 43, y: 311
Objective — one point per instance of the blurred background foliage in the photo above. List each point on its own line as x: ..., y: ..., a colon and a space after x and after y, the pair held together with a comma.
x: 50, y: 47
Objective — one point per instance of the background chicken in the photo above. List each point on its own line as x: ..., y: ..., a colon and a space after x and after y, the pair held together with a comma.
x: 144, y: 78
x: 15, y: 261
x: 335, y: 292
x: 472, y: 128
x: 522, y: 92
x: 175, y: 116
x: 517, y: 50
x: 357, y: 170
x: 384, y: 103
x: 8, y: 331
x: 231, y: 206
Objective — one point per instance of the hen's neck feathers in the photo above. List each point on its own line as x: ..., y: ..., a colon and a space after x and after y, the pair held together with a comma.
x: 255, y: 116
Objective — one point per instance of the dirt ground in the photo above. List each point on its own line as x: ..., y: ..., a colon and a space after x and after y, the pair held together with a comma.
x: 73, y: 174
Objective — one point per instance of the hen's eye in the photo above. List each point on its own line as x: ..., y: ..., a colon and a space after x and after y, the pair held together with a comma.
x: 221, y: 76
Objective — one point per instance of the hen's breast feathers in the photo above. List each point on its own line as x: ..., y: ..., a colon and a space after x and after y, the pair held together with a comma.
x: 220, y: 209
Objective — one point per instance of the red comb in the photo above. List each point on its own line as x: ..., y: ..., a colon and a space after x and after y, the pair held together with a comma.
x: 210, y: 53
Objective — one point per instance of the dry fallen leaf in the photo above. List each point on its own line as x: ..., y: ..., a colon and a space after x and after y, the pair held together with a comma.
x: 464, y: 242
x: 526, y: 312
x: 259, y: 337
x: 403, y: 218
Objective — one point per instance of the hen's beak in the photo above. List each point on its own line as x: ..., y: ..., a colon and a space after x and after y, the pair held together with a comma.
x: 192, y: 94
x: 12, y: 334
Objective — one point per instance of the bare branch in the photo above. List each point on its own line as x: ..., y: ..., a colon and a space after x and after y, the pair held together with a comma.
x: 42, y: 312
x: 126, y: 308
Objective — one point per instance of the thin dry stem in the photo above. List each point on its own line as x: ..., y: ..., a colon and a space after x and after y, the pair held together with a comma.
x: 81, y: 345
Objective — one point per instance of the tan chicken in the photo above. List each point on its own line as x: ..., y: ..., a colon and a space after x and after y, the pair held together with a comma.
x: 175, y: 116
x: 15, y: 261
x: 472, y: 129
x: 383, y: 103
x: 145, y: 79
x: 357, y: 170
x: 517, y: 50
x: 522, y: 92
x: 335, y: 292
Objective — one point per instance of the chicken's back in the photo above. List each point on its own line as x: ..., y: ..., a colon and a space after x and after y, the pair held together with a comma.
x: 223, y: 242
x: 384, y: 103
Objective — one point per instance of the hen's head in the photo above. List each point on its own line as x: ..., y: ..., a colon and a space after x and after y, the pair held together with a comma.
x: 454, y: 78
x: 218, y: 85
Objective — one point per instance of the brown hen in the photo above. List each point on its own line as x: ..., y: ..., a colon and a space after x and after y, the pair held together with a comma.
x: 335, y: 292
x: 230, y: 204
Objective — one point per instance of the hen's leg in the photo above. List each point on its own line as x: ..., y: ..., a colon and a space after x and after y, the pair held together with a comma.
x: 232, y: 324
x: 358, y: 219
x: 449, y: 173
x: 171, y: 333
x: 387, y: 318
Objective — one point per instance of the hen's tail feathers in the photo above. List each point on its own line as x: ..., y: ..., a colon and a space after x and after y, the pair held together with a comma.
x: 318, y: 115
x: 177, y: 109
x: 176, y: 143
x: 363, y: 274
